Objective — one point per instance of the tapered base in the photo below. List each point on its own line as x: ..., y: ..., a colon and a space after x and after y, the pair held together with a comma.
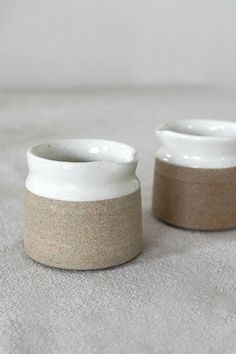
x: 83, y: 235
x: 194, y: 198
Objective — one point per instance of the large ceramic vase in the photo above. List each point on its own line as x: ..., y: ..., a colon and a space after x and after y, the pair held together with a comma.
x: 195, y: 174
x: 83, y: 204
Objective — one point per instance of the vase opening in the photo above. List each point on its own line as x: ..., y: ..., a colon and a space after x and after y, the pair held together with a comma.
x: 84, y: 151
x: 202, y: 128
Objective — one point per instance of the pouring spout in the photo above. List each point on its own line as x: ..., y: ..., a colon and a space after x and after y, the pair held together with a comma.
x: 197, y: 143
x: 165, y: 136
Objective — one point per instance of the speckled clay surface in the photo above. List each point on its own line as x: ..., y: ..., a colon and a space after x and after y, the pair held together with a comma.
x: 83, y: 235
x: 195, y: 198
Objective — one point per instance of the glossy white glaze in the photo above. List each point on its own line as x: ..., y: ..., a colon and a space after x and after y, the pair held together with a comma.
x: 198, y: 143
x: 82, y: 170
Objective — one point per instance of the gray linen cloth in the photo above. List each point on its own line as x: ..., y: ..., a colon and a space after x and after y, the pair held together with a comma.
x: 178, y: 296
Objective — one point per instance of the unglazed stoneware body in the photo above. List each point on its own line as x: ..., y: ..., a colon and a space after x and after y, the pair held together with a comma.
x: 195, y: 174
x: 83, y: 204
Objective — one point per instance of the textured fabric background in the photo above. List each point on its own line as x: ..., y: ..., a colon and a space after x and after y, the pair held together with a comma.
x: 179, y: 296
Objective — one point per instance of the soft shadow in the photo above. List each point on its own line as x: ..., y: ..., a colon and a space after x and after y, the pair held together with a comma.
x: 163, y: 240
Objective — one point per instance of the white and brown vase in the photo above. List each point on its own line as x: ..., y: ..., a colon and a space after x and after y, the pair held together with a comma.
x: 195, y: 174
x: 83, y: 204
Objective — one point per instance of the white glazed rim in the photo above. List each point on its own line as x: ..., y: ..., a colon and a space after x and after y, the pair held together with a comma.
x: 203, y: 123
x: 130, y: 152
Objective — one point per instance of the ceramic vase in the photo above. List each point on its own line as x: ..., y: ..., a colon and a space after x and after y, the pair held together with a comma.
x: 195, y: 174
x: 83, y: 204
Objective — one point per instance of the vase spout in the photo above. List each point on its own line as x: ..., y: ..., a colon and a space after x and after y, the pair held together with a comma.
x: 197, y: 143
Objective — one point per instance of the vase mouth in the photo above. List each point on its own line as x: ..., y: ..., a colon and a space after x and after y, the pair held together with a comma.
x: 82, y: 169
x: 201, y: 129
x: 83, y: 151
x: 198, y: 143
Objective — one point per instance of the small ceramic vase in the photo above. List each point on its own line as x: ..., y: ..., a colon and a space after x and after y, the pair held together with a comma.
x: 195, y: 174
x: 82, y: 205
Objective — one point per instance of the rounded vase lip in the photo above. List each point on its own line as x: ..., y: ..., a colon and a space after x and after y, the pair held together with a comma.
x: 200, y: 129
x: 198, y: 143
x: 82, y: 169
x: 83, y: 151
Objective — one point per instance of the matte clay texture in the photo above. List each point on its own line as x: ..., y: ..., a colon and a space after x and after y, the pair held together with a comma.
x: 83, y: 235
x: 195, y: 198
